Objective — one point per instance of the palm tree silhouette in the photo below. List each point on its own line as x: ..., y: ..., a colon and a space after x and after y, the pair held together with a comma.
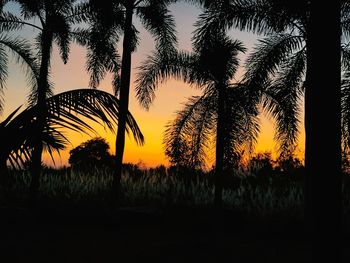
x: 64, y: 111
x: 227, y: 109
x: 108, y: 20
x: 307, y: 19
x: 55, y: 20
x: 21, y: 50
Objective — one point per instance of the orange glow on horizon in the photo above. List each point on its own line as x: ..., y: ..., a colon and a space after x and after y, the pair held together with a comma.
x: 152, y: 124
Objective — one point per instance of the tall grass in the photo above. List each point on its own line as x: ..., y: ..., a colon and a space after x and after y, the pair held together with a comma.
x: 262, y: 195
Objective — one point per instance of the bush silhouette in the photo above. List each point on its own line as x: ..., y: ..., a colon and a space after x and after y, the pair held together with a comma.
x: 91, y: 155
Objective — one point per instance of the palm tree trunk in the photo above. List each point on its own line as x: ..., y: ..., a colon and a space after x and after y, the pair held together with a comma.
x: 219, y: 151
x: 124, y: 103
x: 323, y: 208
x: 35, y: 168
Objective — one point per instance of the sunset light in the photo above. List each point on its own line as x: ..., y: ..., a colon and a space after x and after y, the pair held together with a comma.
x: 175, y: 131
x: 170, y: 96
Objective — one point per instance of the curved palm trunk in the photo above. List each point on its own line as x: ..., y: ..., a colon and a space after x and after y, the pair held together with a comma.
x: 219, y: 151
x: 35, y: 169
x: 323, y: 208
x: 124, y: 104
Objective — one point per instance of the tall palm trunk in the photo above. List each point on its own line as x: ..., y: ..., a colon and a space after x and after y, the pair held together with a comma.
x: 219, y: 151
x: 35, y: 169
x: 323, y: 209
x: 124, y: 103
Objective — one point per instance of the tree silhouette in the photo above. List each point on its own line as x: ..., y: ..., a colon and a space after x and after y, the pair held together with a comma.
x: 21, y: 50
x: 64, y: 111
x: 304, y: 17
x: 90, y: 155
x: 109, y: 20
x: 227, y: 110
x: 211, y: 67
x: 55, y: 20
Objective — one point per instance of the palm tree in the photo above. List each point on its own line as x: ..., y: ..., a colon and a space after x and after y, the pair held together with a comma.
x: 228, y: 110
x: 301, y: 19
x: 188, y: 138
x: 109, y: 20
x: 20, y: 49
x: 55, y: 20
x: 64, y: 111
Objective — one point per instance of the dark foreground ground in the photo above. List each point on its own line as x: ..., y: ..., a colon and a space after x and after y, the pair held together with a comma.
x: 149, y: 235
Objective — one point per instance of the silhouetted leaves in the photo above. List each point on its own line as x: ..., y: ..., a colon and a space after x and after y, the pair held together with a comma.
x: 65, y: 111
x: 91, y: 156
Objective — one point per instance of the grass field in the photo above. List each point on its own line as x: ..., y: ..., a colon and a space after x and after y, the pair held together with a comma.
x: 249, y: 191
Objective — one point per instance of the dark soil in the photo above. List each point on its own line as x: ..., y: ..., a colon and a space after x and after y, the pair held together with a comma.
x: 149, y: 235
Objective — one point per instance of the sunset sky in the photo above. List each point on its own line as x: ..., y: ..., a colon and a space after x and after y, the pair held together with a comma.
x: 170, y: 96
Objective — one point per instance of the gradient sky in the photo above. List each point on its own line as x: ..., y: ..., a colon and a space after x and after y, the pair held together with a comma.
x: 170, y: 96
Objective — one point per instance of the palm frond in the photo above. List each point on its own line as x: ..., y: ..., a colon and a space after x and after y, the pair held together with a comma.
x: 54, y: 141
x: 242, y: 124
x: 257, y: 16
x: 80, y: 36
x: 116, y: 84
x: 135, y: 39
x: 65, y: 110
x: 281, y: 100
x: 186, y: 138
x: 201, y: 3
x: 101, y: 38
x: 102, y: 56
x: 156, y: 18
x: 221, y: 15
x: 5, y: 122
x: 283, y: 104
x: 91, y: 104
x: 21, y: 50
x: 268, y: 56
x: 292, y: 72
x: 9, y: 22
x: 62, y: 36
x: 158, y: 68
x: 29, y: 9
x: 21, y: 129
x: 106, y: 14
x: 79, y: 13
